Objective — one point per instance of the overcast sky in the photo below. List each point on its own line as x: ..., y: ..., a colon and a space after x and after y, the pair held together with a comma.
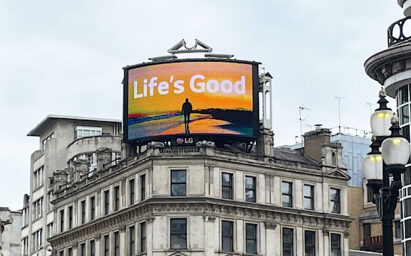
x: 66, y: 57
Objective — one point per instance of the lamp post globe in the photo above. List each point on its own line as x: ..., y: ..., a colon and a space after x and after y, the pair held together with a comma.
x: 372, y: 164
x: 395, y: 150
x: 381, y: 119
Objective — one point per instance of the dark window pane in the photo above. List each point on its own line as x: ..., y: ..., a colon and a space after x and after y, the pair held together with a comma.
x: 403, y: 94
x: 367, y: 230
x: 309, y: 239
x: 131, y: 191
x: 335, y: 245
x: 106, y: 245
x: 309, y: 197
x: 251, y: 238
x: 287, y: 194
x: 398, y: 229
x: 405, y: 114
x: 116, y: 198
x: 92, y: 248
x: 250, y: 189
x: 227, y: 236
x: 407, y: 228
x: 227, y: 185
x: 143, y: 186
x: 106, y: 201
x: 142, y: 237
x: 178, y: 176
x: 131, y: 241
x: 178, y: 190
x: 407, y: 207
x: 335, y: 200
x: 92, y: 208
x: 178, y: 233
x: 116, y: 244
x: 178, y: 183
x: 288, y: 242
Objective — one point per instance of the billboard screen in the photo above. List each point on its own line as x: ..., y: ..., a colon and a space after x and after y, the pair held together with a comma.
x: 191, y: 98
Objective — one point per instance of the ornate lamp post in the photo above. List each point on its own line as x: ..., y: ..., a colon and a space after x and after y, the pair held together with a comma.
x: 378, y: 167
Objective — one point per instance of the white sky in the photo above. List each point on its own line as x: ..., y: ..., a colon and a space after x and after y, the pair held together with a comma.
x: 66, y: 57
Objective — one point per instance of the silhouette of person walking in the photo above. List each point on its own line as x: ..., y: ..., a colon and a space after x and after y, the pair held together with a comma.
x: 186, y: 109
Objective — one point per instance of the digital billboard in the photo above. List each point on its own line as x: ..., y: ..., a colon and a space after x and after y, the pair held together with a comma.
x: 191, y: 98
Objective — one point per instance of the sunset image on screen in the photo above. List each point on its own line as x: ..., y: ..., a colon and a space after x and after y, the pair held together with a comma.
x: 190, y: 98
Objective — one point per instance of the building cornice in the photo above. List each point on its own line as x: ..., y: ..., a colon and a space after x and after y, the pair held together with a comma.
x: 210, y: 209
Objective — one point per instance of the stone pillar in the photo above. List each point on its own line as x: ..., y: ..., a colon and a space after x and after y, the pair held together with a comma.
x: 123, y: 237
x: 81, y: 168
x: 299, y: 240
x: 265, y: 143
x: 270, y: 238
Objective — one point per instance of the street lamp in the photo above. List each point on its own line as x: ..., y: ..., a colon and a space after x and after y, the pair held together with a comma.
x: 378, y: 167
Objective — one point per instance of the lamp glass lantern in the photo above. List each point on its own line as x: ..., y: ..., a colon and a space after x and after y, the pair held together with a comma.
x: 372, y: 167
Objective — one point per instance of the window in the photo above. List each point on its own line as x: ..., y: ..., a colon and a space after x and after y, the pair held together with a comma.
x: 335, y: 200
x: 250, y: 189
x: 70, y: 252
x: 85, y: 131
x: 308, y: 197
x: 405, y: 131
x: 116, y: 244
x: 38, y: 178
x: 131, y: 191
x: 227, y: 231
x: 92, y: 208
x: 61, y: 253
x: 403, y: 95
x: 106, y: 245
x: 116, y: 198
x: 288, y: 242
x: 92, y: 248
x: 70, y: 217
x: 83, y: 211
x: 83, y: 249
x: 37, y: 238
x: 398, y: 233
x: 309, y: 240
x: 227, y: 185
x: 131, y: 241
x: 405, y: 114
x: 335, y: 245
x: 37, y: 211
x: 178, y: 233
x: 287, y: 194
x: 46, y: 141
x: 178, y: 183
x: 370, y: 195
x: 142, y: 237
x: 106, y: 202
x: 143, y: 186
x: 367, y: 230
x: 49, y: 230
x: 61, y: 220
x: 251, y: 238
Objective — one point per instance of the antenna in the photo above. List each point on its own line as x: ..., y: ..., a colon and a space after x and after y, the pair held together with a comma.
x: 339, y: 98
x: 300, y: 111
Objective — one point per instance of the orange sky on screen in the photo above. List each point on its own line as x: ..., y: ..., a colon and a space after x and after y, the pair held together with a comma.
x: 171, y: 102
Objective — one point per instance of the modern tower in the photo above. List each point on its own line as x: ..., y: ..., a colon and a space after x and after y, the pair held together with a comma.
x: 392, y: 69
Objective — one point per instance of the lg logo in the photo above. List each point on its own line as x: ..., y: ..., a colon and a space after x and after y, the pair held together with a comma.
x: 185, y: 140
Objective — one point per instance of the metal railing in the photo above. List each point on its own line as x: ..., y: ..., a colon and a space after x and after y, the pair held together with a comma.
x: 396, y: 32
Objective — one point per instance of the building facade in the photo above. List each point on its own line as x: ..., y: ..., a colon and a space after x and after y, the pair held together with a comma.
x: 10, y: 237
x: 66, y: 142
x: 208, y: 200
x: 392, y: 69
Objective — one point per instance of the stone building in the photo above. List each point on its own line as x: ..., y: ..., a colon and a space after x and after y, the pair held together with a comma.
x: 391, y: 68
x: 11, y: 235
x: 66, y: 143
x: 208, y: 200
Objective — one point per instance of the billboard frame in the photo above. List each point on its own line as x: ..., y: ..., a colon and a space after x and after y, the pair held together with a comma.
x: 203, y: 136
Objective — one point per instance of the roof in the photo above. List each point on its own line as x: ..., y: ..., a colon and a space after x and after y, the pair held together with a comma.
x: 50, y: 119
x: 287, y: 154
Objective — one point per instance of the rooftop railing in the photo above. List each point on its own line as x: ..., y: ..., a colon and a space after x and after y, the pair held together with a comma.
x: 399, y: 32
